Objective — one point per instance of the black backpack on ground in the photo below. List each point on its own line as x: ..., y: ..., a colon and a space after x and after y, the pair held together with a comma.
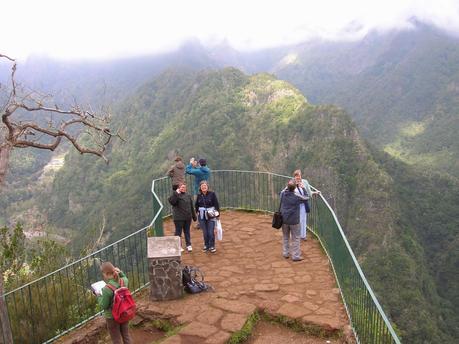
x: 193, y: 280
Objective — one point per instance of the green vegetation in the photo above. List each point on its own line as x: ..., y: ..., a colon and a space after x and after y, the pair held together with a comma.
x: 22, y: 260
x: 401, y: 89
x: 170, y: 329
x: 298, y: 326
x: 429, y: 201
x: 244, y: 333
x: 12, y: 248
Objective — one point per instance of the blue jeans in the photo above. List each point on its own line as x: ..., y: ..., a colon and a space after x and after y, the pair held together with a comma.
x: 207, y: 227
x: 185, y: 226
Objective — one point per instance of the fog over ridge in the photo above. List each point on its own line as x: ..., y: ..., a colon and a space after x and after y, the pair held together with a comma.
x: 116, y: 29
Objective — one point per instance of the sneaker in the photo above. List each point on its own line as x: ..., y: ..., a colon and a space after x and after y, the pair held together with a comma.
x: 181, y: 249
x: 299, y: 259
x: 213, y: 250
x: 204, y: 249
x: 286, y: 256
x: 189, y: 248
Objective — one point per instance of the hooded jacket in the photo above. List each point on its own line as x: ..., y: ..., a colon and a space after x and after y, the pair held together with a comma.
x: 200, y: 173
x: 177, y: 173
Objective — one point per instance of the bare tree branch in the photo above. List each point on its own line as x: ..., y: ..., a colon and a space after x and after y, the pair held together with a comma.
x: 8, y: 58
x: 62, y: 123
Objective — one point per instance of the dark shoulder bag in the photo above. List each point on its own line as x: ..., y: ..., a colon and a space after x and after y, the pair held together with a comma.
x: 306, y: 203
x: 277, y: 216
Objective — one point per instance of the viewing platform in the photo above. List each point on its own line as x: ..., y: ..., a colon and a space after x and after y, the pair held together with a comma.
x: 326, y: 295
x: 249, y: 274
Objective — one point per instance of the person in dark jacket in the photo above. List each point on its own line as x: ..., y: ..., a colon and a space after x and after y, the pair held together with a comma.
x: 290, y: 210
x: 182, y: 213
x: 177, y: 173
x: 200, y: 171
x: 119, y: 333
x: 205, y: 202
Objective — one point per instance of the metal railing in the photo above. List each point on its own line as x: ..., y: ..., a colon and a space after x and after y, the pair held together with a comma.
x: 47, y: 308
x: 259, y: 191
x: 369, y: 322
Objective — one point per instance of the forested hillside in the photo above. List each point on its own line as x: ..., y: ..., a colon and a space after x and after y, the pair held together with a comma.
x: 401, y: 88
x: 98, y: 84
x: 259, y: 123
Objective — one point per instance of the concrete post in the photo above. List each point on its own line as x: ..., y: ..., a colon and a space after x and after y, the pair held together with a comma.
x: 164, y: 267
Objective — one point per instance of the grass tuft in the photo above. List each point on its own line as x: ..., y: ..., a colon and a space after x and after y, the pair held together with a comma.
x: 298, y: 326
x: 244, y: 333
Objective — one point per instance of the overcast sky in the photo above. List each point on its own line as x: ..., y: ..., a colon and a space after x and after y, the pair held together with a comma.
x: 111, y: 29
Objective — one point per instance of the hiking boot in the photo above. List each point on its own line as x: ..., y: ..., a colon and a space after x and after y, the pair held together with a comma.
x: 189, y: 248
x: 213, y: 250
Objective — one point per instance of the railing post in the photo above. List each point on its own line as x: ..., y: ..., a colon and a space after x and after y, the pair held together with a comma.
x: 158, y: 229
x: 7, y: 335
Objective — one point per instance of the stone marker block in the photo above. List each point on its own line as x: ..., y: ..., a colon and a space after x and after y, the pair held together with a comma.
x: 165, y: 270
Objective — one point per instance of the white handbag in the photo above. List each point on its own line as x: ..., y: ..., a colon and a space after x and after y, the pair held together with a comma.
x: 219, y: 230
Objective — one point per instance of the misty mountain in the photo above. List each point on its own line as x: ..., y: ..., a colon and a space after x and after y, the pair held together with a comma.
x: 401, y: 88
x: 105, y: 82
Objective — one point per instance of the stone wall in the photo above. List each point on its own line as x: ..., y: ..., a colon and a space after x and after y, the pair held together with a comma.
x: 165, y: 278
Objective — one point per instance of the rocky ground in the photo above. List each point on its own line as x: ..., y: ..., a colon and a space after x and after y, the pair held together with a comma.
x: 249, y: 276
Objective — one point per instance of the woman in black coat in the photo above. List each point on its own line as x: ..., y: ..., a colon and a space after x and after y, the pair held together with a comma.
x: 182, y: 213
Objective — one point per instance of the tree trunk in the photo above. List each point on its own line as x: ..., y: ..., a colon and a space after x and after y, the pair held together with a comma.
x: 6, y: 336
x: 4, y: 159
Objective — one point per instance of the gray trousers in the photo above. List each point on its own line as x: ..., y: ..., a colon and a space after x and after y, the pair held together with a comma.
x: 119, y: 333
x: 291, y: 241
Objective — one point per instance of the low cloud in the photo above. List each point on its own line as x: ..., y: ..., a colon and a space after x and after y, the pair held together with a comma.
x: 104, y: 29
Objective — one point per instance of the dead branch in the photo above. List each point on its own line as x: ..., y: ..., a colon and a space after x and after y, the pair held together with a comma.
x: 63, y: 123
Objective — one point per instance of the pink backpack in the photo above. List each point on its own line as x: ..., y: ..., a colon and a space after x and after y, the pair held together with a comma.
x: 123, y: 307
